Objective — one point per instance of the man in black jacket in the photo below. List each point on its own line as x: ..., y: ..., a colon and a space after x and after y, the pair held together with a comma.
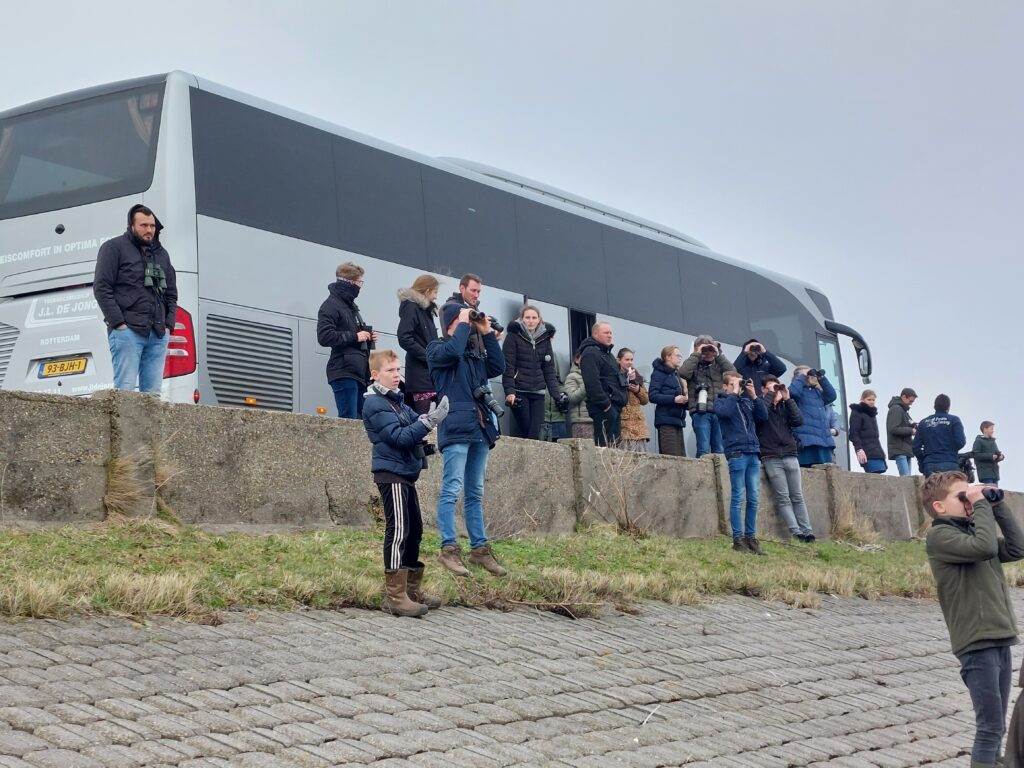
x: 136, y: 288
x: 779, y: 449
x: 605, y: 384
x: 340, y: 327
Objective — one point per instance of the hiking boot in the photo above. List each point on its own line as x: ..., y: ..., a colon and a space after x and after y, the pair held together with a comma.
x: 483, y: 557
x: 753, y: 545
x: 451, y: 558
x: 396, y: 598
x: 808, y: 538
x: 739, y: 544
x: 414, y: 588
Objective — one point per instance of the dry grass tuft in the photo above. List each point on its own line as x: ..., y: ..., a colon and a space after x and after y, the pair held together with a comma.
x: 850, y: 525
x: 169, y: 594
x: 124, y: 489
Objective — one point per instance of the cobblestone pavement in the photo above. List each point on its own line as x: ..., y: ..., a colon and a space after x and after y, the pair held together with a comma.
x: 737, y: 683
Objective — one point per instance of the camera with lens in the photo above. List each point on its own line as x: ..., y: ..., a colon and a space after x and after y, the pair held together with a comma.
x: 702, y: 398
x: 475, y: 315
x: 746, y: 383
x: 484, y: 394
x: 422, y: 450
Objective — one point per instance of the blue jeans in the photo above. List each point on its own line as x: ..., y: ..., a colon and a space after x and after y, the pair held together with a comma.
x: 464, y: 466
x: 902, y: 465
x: 875, y: 466
x: 784, y: 477
x: 987, y: 674
x: 708, y: 432
x: 348, y: 396
x: 138, y: 360
x: 744, y: 475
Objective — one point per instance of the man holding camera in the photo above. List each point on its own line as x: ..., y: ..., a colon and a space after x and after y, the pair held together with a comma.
x: 605, y: 384
x: 340, y: 327
x: 460, y: 365
x: 755, y: 361
x: 468, y: 295
x: 704, y: 372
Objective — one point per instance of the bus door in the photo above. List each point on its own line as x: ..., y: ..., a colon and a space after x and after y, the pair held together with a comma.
x: 831, y: 362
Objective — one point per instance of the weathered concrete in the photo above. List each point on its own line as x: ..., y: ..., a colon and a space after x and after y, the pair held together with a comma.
x: 230, y: 467
x: 854, y: 684
x: 53, y: 458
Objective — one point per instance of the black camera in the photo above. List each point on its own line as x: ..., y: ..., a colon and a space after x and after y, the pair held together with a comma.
x: 563, y: 402
x: 484, y: 395
x: 747, y: 383
x: 516, y: 401
x: 496, y: 325
x: 475, y: 315
x: 820, y: 373
x: 992, y: 495
x: 708, y: 348
x: 422, y: 450
x: 756, y: 348
x: 370, y: 346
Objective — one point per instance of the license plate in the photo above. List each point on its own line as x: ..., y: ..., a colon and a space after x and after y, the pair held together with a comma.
x: 69, y: 367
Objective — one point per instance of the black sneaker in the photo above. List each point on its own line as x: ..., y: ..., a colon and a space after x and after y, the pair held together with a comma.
x: 808, y: 539
x: 739, y: 544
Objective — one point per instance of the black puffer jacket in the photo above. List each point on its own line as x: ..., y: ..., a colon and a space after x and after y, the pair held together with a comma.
x: 529, y: 360
x: 337, y: 324
x: 776, y: 435
x: 604, y: 381
x: 864, y: 430
x: 119, y: 283
x: 416, y: 329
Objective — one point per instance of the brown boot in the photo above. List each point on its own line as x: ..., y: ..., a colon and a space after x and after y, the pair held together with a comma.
x: 396, y: 599
x: 451, y: 558
x: 414, y: 588
x: 484, y: 557
x: 753, y: 545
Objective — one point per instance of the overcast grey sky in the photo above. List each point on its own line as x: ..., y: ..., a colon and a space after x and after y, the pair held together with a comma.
x: 870, y: 147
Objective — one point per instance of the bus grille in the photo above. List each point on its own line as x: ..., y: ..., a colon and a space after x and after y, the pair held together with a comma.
x: 246, y: 359
x: 8, y: 338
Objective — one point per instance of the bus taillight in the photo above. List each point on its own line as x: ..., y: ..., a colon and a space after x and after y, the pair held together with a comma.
x: 181, y: 347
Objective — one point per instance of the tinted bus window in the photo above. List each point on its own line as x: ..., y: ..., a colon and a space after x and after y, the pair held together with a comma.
x: 380, y: 204
x: 79, y: 153
x: 714, y: 296
x: 471, y: 227
x: 561, y: 257
x: 779, y: 320
x: 645, y: 283
x: 262, y: 170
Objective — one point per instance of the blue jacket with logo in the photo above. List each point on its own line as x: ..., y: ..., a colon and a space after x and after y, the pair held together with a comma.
x: 813, y: 403
x: 739, y: 416
x: 457, y: 370
x: 938, y: 440
x: 664, y: 388
x: 393, y: 428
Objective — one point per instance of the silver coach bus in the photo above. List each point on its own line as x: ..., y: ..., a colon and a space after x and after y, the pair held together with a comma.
x: 260, y: 205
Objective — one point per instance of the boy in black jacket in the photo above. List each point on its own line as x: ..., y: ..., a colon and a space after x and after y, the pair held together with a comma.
x: 779, y: 449
x: 397, y: 432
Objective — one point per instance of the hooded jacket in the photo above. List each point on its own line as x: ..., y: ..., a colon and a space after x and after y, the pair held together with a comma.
x: 416, y: 329
x: 604, y: 382
x: 938, y: 440
x: 813, y: 404
x: 899, y: 429
x: 394, y: 429
x: 337, y: 324
x: 984, y: 449
x: 529, y: 360
x: 697, y: 371
x: 864, y: 430
x: 577, y: 393
x: 775, y: 434
x: 457, y: 371
x: 739, y: 416
x: 966, y: 558
x: 665, y: 387
x: 765, y: 363
x: 120, y: 277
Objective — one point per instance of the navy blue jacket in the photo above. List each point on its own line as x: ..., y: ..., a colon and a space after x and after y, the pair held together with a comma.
x: 456, y: 372
x: 739, y: 416
x: 938, y: 440
x: 663, y: 390
x: 393, y: 428
x: 816, y: 429
x: 766, y: 363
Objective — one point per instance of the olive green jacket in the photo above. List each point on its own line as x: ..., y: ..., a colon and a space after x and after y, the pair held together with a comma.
x: 967, y: 561
x: 984, y: 449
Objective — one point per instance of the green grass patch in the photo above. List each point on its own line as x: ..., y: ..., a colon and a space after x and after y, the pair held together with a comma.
x: 146, y: 567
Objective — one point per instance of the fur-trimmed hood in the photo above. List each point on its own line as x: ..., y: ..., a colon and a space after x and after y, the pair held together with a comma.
x: 408, y: 294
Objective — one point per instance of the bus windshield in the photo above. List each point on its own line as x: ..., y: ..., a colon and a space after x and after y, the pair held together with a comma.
x: 79, y: 153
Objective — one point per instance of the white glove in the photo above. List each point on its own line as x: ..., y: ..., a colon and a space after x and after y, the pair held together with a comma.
x: 438, y: 412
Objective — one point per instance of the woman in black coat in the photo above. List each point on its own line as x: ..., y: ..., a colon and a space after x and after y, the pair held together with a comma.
x: 529, y: 371
x: 864, y: 434
x: 416, y: 329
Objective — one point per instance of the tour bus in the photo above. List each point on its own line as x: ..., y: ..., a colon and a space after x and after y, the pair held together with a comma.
x: 260, y: 204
